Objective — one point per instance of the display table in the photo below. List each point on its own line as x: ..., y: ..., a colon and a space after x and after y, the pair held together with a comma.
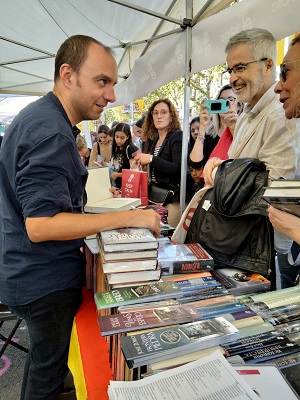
x: 88, y: 355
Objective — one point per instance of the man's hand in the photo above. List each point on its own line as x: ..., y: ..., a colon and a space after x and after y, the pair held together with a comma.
x: 285, y: 222
x: 209, y: 167
x: 146, y: 219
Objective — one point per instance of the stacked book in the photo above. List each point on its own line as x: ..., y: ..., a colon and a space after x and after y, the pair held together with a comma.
x: 128, y: 256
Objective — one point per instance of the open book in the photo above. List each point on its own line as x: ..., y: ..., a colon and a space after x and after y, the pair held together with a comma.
x: 100, y: 199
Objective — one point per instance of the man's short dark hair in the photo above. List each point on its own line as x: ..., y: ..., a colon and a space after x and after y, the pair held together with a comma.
x: 73, y: 51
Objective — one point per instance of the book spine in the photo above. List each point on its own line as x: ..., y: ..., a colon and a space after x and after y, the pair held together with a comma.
x: 183, y: 267
x: 269, y: 352
x: 257, y: 345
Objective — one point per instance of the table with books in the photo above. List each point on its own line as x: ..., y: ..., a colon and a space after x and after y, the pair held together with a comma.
x: 154, y: 325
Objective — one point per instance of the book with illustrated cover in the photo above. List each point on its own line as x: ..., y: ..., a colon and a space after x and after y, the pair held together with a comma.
x: 192, y: 283
x: 284, y: 194
x: 184, y: 258
x: 125, y: 285
x: 148, y: 318
x: 161, y: 344
x: 238, y: 281
x: 125, y: 239
x: 134, y: 276
x: 137, y: 294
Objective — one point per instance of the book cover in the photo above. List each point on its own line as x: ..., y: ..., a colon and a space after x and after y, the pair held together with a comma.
x: 148, y: 318
x: 133, y: 277
x: 184, y: 258
x: 124, y: 239
x: 238, y: 281
x: 284, y: 194
x: 161, y: 344
x: 137, y: 294
x: 193, y: 283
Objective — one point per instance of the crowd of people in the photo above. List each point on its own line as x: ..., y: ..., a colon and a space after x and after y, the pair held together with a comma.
x: 44, y: 163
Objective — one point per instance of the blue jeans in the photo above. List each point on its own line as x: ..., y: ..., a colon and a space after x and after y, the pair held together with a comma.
x: 49, y: 321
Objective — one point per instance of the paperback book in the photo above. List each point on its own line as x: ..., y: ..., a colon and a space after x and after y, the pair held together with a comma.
x: 238, y: 281
x: 184, y: 258
x: 125, y: 239
x: 137, y: 294
x: 148, y: 318
x: 161, y: 344
x: 284, y: 194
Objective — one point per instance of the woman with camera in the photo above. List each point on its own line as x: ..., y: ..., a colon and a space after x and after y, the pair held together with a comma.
x: 214, y: 125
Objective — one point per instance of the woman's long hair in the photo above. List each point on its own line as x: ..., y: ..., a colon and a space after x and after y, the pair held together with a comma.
x: 121, y: 127
x: 148, y: 125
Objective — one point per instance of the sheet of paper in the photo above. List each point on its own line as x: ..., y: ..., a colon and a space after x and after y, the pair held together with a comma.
x: 209, y: 378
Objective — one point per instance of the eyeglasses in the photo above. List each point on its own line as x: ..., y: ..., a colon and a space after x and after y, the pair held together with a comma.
x: 239, y: 68
x: 283, y: 70
x: 231, y: 99
x: 163, y: 113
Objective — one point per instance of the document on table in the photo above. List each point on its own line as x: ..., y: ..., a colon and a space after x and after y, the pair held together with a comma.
x: 209, y: 378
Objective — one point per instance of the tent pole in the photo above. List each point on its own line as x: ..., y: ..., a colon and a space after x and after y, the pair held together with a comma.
x: 186, y: 134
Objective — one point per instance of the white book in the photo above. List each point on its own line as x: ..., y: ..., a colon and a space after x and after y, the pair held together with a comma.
x: 100, y: 199
x: 133, y: 277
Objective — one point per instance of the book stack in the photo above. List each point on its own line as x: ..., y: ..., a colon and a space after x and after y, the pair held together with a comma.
x: 160, y: 344
x: 284, y: 194
x: 128, y: 256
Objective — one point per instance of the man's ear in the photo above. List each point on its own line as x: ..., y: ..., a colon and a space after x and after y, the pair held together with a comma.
x: 269, y: 65
x: 66, y: 73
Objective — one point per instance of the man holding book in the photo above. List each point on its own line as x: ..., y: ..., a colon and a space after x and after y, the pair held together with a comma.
x: 260, y: 131
x: 289, y: 90
x: 41, y: 219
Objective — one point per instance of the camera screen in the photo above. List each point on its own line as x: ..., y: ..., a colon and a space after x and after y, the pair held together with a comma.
x: 216, y: 106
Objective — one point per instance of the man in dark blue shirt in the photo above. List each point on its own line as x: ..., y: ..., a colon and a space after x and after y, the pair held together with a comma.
x: 41, y: 218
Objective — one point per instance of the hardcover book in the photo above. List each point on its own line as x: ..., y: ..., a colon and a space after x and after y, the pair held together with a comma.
x: 184, y: 258
x: 148, y: 318
x: 133, y: 277
x: 125, y: 239
x: 137, y: 294
x: 284, y: 194
x: 238, y: 281
x: 161, y: 344
x: 140, y: 264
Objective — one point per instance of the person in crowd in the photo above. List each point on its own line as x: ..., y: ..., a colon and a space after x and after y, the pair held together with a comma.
x: 213, y: 126
x: 136, y: 136
x: 260, y: 131
x: 101, y: 150
x: 83, y: 150
x: 145, y: 137
x: 41, y: 216
x: 162, y: 123
x: 288, y: 89
x: 194, y: 130
x: 94, y: 138
x: 122, y: 152
x: 110, y: 136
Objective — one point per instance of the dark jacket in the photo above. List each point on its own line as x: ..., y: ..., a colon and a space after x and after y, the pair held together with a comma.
x: 167, y: 164
x: 235, y: 229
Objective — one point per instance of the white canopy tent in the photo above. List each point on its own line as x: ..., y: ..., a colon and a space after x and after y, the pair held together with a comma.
x: 155, y: 42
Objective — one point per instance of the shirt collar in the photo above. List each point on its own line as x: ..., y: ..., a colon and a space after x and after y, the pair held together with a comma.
x: 58, y: 104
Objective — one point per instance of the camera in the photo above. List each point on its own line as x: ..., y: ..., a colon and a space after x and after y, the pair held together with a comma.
x: 217, y: 106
